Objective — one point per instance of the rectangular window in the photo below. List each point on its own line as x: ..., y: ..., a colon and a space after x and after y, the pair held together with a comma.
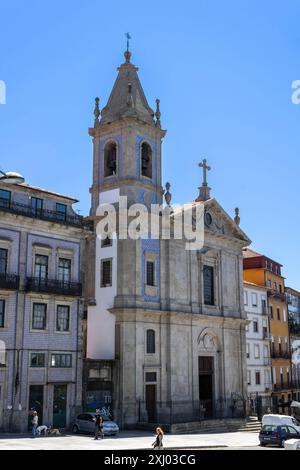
x: 63, y: 318
x: 265, y: 332
x: 105, y: 242
x: 36, y: 206
x: 208, y: 285
x: 37, y: 360
x: 269, y: 283
x: 41, y: 267
x: 3, y: 261
x: 2, y: 313
x: 5, y: 198
x: 248, y: 350
x: 264, y: 306
x: 61, y: 211
x: 61, y: 360
x: 275, y: 285
x: 279, y: 348
x: 280, y: 288
x: 256, y: 351
x: 278, y: 313
x: 286, y: 344
x: 274, y: 376
x: 150, y: 273
x: 245, y: 298
x: 284, y: 314
x: 254, y: 300
x: 150, y: 376
x: 257, y: 378
x: 64, y: 270
x: 271, y: 312
x: 39, y: 316
x: 273, y: 346
x: 249, y: 377
x: 106, y: 272
x: 255, y: 326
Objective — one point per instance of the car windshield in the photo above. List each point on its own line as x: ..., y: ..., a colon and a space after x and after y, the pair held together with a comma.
x: 268, y: 428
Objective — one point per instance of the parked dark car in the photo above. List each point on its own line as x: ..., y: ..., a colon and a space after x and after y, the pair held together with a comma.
x: 272, y: 434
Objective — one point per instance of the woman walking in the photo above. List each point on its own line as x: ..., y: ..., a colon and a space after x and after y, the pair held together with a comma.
x: 158, y: 443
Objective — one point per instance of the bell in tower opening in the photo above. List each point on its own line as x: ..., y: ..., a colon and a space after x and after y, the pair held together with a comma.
x: 110, y: 159
x: 146, y: 157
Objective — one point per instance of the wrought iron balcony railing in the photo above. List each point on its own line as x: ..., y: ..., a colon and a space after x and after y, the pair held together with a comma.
x: 9, y: 281
x: 43, y: 214
x: 282, y: 354
x: 277, y: 295
x: 53, y: 286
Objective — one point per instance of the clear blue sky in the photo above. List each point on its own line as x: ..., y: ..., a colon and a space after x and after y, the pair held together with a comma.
x: 223, y: 71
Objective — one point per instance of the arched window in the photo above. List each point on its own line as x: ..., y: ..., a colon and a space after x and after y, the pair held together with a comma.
x: 110, y: 159
x: 150, y: 341
x: 146, y: 160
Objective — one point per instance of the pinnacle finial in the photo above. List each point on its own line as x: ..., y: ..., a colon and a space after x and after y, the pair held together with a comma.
x: 158, y: 113
x: 237, y: 218
x: 97, y: 112
x: 167, y: 194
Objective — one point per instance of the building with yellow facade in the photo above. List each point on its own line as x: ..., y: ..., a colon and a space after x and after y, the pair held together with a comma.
x: 266, y: 272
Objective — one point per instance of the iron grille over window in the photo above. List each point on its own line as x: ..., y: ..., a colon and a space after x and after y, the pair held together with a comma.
x: 150, y: 376
x: 208, y: 285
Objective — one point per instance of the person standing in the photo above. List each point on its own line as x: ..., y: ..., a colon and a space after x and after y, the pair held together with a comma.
x: 35, y: 423
x: 98, y: 425
x: 158, y: 443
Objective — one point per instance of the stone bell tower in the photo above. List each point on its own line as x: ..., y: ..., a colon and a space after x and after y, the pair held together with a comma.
x: 127, y: 139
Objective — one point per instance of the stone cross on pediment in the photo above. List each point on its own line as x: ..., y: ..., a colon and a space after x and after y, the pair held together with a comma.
x: 205, y: 169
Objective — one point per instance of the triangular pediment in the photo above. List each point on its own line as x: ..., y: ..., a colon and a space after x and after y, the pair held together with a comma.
x: 220, y: 223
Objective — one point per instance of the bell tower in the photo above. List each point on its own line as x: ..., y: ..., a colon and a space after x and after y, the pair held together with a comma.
x: 127, y: 138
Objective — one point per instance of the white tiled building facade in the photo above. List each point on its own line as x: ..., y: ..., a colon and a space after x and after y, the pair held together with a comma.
x: 259, y: 379
x: 41, y: 241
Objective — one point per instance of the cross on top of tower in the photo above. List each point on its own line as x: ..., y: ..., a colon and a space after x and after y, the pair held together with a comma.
x: 205, y: 169
x: 204, y: 190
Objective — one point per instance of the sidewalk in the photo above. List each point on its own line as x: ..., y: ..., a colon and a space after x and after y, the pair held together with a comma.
x: 129, y: 440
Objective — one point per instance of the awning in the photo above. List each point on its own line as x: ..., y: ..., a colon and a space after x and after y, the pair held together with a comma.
x: 295, y: 404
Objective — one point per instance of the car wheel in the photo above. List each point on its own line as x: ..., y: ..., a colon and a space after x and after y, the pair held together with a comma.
x: 262, y: 444
x: 282, y: 443
x: 75, y: 429
x: 298, y: 447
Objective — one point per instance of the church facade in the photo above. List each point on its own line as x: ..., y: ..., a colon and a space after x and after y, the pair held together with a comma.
x: 165, y: 325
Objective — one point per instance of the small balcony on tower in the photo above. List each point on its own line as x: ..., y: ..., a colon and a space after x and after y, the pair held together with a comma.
x: 9, y: 281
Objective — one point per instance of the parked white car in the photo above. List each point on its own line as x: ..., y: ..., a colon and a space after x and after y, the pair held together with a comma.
x: 292, y: 444
x: 85, y: 423
x: 280, y: 420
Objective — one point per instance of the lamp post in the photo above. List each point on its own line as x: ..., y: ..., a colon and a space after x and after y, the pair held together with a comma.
x: 11, y: 177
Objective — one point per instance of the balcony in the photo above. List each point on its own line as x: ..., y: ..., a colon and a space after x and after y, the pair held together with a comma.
x: 9, y: 281
x: 53, y: 286
x: 280, y: 355
x: 42, y: 214
x: 277, y: 295
x: 282, y: 386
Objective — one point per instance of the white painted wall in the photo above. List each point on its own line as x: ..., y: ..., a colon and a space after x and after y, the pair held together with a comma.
x: 101, y: 323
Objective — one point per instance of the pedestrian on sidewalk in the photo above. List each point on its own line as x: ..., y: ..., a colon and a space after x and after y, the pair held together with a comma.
x: 98, y: 425
x: 35, y: 423
x: 158, y: 443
